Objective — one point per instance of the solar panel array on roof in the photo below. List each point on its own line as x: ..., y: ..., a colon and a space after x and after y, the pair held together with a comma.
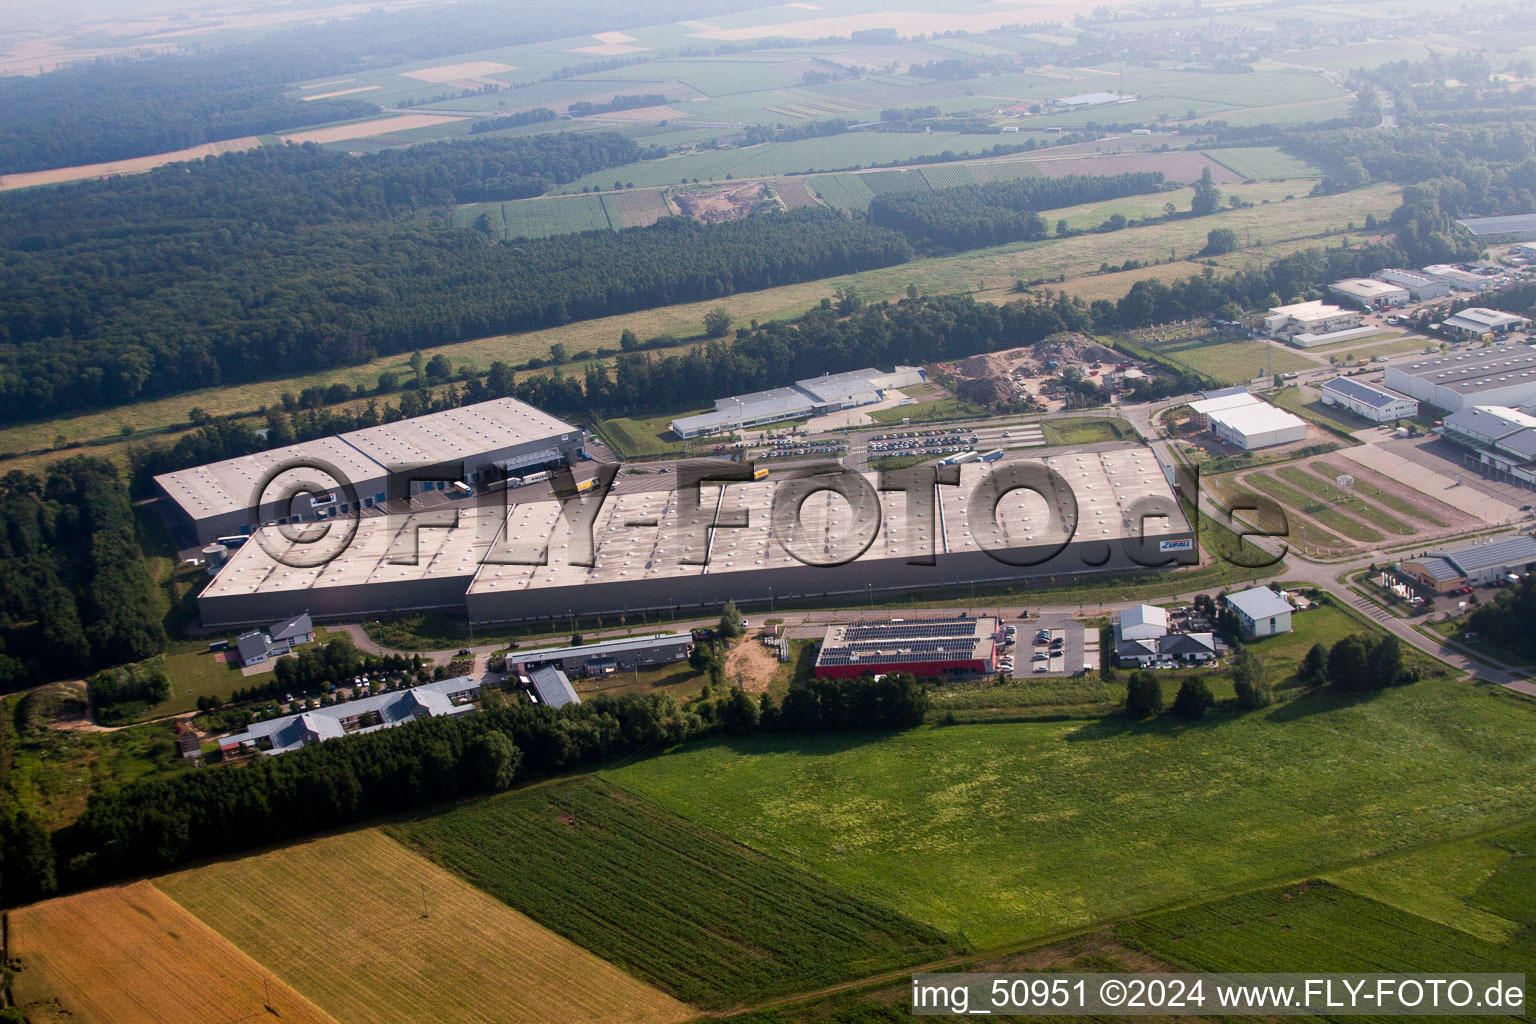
x: 919, y: 641
x: 1513, y: 551
x: 1360, y: 391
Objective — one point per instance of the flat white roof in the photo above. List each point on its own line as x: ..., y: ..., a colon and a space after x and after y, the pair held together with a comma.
x: 230, y: 486
x: 456, y: 433
x: 1259, y: 418
x: 1316, y: 309
x: 364, y: 455
x: 1221, y: 403
x: 1365, y: 288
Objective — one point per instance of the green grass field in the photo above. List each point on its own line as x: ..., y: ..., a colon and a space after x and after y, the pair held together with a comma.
x: 1463, y: 884
x: 641, y: 438
x: 1018, y: 825
x: 843, y: 191
x: 946, y: 408
x: 1265, y: 163
x: 710, y: 921
x: 1231, y: 362
x: 1086, y: 430
x: 829, y: 153
x: 51, y: 772
x: 1316, y: 926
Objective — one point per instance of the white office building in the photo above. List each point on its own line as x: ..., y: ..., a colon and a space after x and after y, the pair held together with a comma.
x: 1261, y: 612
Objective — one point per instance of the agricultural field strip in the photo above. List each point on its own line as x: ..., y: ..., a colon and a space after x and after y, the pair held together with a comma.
x: 672, y: 902
x: 128, y: 954
x: 370, y: 930
x: 1327, y: 490
x: 1305, y: 531
x: 1312, y: 507
x: 1392, y: 501
x: 1074, y: 256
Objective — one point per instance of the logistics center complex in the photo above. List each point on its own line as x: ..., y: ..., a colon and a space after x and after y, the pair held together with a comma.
x: 502, y: 564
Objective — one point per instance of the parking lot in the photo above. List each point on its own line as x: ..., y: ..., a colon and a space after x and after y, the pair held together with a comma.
x: 1056, y: 648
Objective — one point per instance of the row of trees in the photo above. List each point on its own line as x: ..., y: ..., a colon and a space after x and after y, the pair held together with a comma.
x: 155, y: 823
x: 972, y: 216
x: 75, y: 592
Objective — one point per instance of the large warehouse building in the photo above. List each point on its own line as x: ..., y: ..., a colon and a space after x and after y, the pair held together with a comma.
x: 1502, y: 375
x: 1503, y: 440
x: 1520, y: 227
x: 810, y: 397
x: 642, y: 538
x: 959, y: 647
x: 491, y: 440
x: 1248, y: 422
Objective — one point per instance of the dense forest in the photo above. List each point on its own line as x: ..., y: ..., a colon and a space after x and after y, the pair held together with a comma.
x: 115, y: 109
x: 974, y: 216
x: 155, y: 823
x: 292, y: 259
x: 75, y: 592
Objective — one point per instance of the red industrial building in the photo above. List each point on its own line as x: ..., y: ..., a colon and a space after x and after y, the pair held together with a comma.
x: 923, y: 647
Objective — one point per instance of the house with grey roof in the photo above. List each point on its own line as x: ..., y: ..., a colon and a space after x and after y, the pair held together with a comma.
x: 355, y: 717
x: 1260, y: 612
x: 261, y: 645
x: 549, y: 686
x: 1142, y: 638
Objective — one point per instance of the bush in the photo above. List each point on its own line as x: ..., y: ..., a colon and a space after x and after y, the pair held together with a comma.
x: 1143, y: 695
x: 1194, y: 699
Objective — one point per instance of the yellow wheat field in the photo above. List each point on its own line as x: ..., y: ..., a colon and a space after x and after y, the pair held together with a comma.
x: 129, y: 955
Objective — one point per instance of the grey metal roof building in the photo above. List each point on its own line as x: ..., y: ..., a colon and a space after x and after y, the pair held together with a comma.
x: 1367, y: 400
x: 1501, y: 375
x: 607, y: 656
x: 1420, y: 286
x: 1501, y: 554
x: 551, y: 687
x: 471, y: 443
x: 812, y: 396
x: 1520, y: 227
x: 1478, y: 321
x: 355, y: 717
